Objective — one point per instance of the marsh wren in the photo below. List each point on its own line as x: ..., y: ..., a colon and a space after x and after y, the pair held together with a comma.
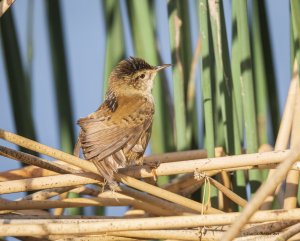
x: 117, y: 133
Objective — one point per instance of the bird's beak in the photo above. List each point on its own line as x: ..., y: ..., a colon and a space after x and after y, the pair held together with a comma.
x: 161, y: 67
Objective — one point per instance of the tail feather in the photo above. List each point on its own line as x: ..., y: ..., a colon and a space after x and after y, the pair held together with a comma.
x: 107, y: 167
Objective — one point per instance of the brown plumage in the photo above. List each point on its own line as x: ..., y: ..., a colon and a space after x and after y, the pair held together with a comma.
x: 117, y: 134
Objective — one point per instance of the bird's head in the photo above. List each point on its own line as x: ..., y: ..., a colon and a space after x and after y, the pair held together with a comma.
x: 134, y: 74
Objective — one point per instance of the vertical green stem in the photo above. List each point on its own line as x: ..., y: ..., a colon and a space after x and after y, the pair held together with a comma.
x: 114, y: 44
x: 144, y: 39
x: 232, y: 111
x: 247, y: 89
x: 236, y: 70
x: 239, y: 182
x: 181, y: 52
x: 295, y: 46
x: 19, y: 85
x: 295, y: 6
x: 223, y: 75
x: 141, y: 17
x: 61, y: 77
x: 269, y: 67
x: 206, y: 79
x: 260, y: 77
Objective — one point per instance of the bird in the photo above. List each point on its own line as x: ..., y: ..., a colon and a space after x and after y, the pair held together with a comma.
x: 117, y: 133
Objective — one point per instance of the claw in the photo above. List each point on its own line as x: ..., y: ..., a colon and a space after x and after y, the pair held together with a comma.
x: 153, y: 171
x: 154, y: 165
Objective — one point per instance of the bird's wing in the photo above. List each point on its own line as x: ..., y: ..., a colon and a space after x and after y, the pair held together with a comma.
x: 105, y: 133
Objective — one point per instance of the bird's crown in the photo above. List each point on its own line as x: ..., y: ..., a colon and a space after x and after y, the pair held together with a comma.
x: 130, y: 66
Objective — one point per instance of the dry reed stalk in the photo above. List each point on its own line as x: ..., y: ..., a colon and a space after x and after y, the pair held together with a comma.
x: 81, y: 226
x: 150, y: 209
x: 284, y: 131
x: 292, y: 179
x: 36, y: 161
x: 257, y: 238
x: 296, y: 167
x: 38, y: 183
x: 159, y: 192
x: 208, y: 164
x: 186, y: 189
x: 4, y: 5
x: 119, y: 200
x: 105, y: 199
x: 36, y: 213
x: 290, y: 232
x: 25, y: 172
x: 135, y: 213
x: 45, y: 219
x: 266, y: 189
x: 230, y: 194
x: 224, y: 201
x: 175, y: 184
x: 267, y: 228
x: 186, y: 184
x: 172, y: 207
x: 250, y: 238
x: 99, y: 238
x: 57, y: 211
x: 32, y: 171
x: 175, y: 156
x: 197, y: 234
x: 31, y: 238
x: 46, y: 150
x: 203, y: 234
x: 156, y: 159
x: 96, y: 238
x: 49, y: 193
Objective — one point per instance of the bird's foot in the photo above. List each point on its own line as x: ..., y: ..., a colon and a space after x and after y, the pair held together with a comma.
x: 153, y: 166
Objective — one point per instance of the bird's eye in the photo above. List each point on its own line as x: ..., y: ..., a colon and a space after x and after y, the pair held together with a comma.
x: 142, y: 76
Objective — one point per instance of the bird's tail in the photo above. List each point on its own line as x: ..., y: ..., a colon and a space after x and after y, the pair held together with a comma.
x: 107, y: 167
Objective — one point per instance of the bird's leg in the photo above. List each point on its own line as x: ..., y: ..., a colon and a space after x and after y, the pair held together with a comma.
x: 113, y: 186
x: 153, y: 166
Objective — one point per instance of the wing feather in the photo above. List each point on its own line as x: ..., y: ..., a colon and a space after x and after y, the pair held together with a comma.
x: 106, y: 137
